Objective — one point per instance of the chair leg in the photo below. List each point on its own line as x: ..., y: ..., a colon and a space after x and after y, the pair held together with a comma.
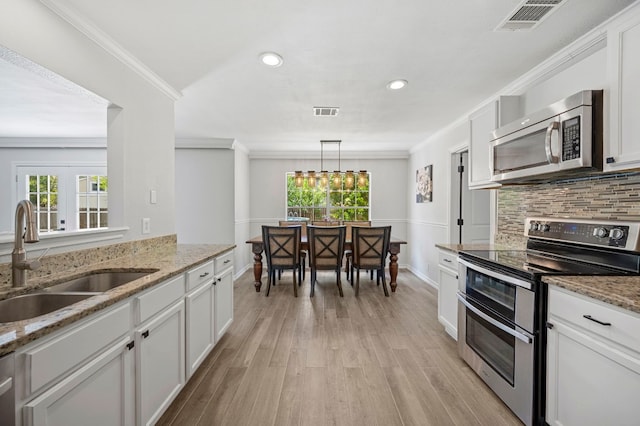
x: 295, y: 287
x: 357, y: 281
x: 313, y: 282
x: 351, y: 274
x: 299, y: 274
x: 384, y: 284
x: 339, y: 281
x: 269, y: 273
x: 304, y: 268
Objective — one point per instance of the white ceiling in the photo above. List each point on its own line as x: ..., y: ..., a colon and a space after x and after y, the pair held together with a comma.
x: 336, y: 53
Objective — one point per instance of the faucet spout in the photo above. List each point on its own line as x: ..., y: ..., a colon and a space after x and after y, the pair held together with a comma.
x: 19, y: 265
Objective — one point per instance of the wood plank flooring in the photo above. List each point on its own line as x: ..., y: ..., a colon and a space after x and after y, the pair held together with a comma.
x: 329, y: 360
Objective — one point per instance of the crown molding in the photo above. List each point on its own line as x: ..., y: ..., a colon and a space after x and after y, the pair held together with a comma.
x: 103, y: 40
x: 34, y: 142
x: 344, y: 155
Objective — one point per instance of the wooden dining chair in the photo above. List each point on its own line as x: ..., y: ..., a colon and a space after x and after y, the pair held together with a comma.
x: 282, y: 250
x: 349, y: 224
x: 370, y: 248
x: 326, y: 248
x: 303, y: 232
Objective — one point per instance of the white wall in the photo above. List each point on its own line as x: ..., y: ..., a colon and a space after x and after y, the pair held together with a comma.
x: 204, y: 196
x: 429, y: 222
x: 141, y: 150
x: 243, y: 258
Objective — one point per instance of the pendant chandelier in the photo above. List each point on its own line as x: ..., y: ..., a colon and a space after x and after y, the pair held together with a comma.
x: 335, y: 178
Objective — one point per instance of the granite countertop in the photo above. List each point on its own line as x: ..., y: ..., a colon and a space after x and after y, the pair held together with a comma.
x: 622, y: 291
x: 170, y: 262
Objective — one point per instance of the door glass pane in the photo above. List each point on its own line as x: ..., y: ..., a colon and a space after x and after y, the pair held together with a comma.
x: 493, y: 345
x: 92, y: 201
x: 496, y: 294
x: 43, y: 194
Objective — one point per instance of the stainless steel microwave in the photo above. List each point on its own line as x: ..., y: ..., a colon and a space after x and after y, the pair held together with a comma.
x: 563, y: 139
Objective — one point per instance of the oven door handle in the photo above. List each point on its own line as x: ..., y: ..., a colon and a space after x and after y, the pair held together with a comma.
x: 498, y: 324
x: 492, y: 274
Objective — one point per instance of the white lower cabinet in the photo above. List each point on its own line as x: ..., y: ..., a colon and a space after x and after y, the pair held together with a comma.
x: 100, y: 393
x: 160, y: 372
x: 447, y: 290
x: 593, y: 368
x: 223, y: 302
x: 200, y: 322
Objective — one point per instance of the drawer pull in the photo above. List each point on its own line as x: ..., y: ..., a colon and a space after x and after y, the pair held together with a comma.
x: 130, y: 345
x: 227, y: 261
x: 204, y: 275
x: 145, y: 334
x: 447, y: 260
x: 590, y: 318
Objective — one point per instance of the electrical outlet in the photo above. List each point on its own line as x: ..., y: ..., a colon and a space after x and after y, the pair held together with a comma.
x: 146, y: 225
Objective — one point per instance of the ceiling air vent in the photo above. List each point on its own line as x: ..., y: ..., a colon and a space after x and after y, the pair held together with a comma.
x: 325, y: 111
x: 528, y: 15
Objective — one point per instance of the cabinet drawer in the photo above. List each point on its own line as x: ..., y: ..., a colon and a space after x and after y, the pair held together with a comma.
x: 199, y: 275
x: 60, y: 354
x: 448, y: 260
x: 223, y: 262
x: 159, y: 297
x: 573, y: 307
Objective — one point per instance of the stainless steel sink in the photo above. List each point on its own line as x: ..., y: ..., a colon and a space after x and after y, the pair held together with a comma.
x: 100, y: 281
x: 33, y: 305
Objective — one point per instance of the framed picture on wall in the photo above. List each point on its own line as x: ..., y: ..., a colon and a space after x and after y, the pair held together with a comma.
x: 424, y: 184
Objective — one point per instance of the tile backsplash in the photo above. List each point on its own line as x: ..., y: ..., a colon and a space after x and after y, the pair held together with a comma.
x: 615, y: 197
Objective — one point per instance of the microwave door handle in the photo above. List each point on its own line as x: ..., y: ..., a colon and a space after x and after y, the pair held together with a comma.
x: 554, y: 125
x: 493, y: 322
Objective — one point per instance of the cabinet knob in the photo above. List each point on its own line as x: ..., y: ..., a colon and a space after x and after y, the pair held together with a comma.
x: 130, y: 345
x: 145, y: 334
x: 610, y: 160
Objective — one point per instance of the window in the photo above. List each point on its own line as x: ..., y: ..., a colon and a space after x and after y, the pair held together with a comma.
x: 66, y: 198
x: 328, y: 202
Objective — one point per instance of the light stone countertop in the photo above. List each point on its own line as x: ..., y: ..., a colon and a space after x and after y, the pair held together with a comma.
x: 622, y: 291
x: 170, y: 262
x: 456, y: 248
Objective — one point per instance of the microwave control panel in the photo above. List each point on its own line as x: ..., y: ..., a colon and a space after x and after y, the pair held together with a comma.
x: 571, y: 139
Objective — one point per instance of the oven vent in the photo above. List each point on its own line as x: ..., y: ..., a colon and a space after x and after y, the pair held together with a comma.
x: 325, y: 111
x: 528, y: 15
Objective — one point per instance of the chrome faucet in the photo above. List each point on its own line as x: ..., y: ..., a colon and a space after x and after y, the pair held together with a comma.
x: 19, y: 263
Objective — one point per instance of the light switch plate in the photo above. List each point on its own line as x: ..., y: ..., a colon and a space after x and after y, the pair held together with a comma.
x: 146, y: 225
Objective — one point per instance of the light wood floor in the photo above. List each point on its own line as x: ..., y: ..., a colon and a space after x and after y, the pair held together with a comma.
x: 336, y: 361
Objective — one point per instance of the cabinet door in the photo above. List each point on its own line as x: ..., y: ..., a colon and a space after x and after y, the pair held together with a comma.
x: 160, y: 372
x: 481, y: 124
x: 100, y: 393
x: 223, y: 302
x: 589, y: 381
x: 447, y: 300
x: 622, y: 147
x: 200, y: 325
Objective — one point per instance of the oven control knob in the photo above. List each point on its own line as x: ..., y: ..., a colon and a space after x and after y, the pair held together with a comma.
x: 600, y: 232
x: 533, y: 226
x: 544, y: 227
x: 616, y: 234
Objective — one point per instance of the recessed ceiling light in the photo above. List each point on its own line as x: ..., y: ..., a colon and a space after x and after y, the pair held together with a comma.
x: 271, y: 59
x: 396, y: 84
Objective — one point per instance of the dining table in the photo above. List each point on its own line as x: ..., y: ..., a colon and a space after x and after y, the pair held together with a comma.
x: 257, y: 247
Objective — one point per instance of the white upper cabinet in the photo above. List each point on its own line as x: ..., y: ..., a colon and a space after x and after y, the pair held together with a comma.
x: 481, y: 124
x: 622, y: 146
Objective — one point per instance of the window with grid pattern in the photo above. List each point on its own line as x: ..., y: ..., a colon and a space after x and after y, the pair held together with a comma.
x: 329, y: 201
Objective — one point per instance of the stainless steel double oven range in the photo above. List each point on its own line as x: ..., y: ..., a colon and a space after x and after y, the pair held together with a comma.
x: 503, y: 300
